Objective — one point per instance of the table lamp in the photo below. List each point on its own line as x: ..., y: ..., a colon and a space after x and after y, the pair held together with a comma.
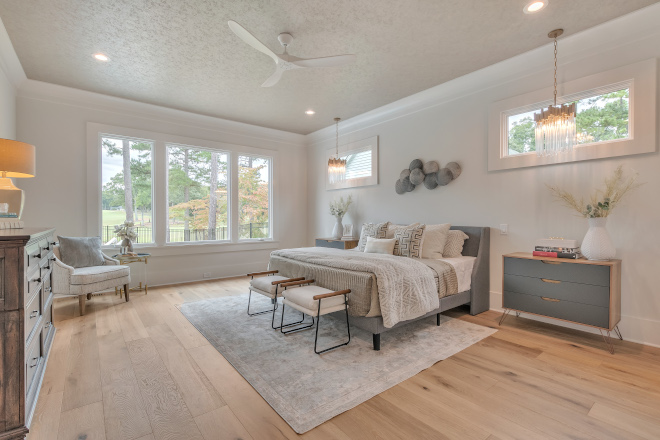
x: 17, y: 159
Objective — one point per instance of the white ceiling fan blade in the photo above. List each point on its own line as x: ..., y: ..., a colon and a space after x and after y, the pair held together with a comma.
x: 334, y: 61
x: 250, y: 39
x: 274, y: 78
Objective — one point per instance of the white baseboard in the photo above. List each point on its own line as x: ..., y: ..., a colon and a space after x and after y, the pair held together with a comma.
x: 634, y: 329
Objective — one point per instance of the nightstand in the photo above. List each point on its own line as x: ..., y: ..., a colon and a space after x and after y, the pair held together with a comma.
x: 337, y: 244
x: 582, y: 291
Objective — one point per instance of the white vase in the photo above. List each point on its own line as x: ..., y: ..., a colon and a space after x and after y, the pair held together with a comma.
x: 338, y: 230
x: 597, y: 244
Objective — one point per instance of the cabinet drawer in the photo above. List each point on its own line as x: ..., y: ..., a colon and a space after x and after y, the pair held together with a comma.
x: 32, y: 361
x: 49, y: 329
x: 555, y: 270
x: 33, y: 257
x: 33, y: 312
x: 563, y: 290
x: 330, y: 244
x: 566, y: 310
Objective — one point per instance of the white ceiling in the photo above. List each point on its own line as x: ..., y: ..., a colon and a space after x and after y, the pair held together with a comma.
x: 182, y: 54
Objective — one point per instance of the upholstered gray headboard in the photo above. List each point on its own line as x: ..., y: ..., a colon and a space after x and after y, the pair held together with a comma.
x: 478, y: 245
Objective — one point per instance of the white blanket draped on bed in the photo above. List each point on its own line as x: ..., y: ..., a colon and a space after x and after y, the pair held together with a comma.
x: 406, y: 287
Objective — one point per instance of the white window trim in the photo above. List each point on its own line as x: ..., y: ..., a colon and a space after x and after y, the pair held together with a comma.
x: 351, y: 148
x: 159, y: 190
x: 642, y: 80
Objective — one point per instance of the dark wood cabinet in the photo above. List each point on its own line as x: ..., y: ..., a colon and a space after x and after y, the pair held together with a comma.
x: 26, y: 326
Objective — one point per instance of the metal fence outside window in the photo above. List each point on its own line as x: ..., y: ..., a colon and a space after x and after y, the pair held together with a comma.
x: 145, y: 234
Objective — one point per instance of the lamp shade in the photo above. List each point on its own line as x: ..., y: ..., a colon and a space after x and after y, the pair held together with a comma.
x: 17, y: 159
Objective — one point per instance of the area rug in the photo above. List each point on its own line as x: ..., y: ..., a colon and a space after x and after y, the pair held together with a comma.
x: 307, y: 389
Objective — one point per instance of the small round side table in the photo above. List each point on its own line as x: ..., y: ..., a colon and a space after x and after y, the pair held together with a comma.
x: 126, y: 259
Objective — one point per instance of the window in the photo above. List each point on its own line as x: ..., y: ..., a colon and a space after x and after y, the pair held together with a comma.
x: 600, y: 118
x: 126, y: 187
x: 197, y: 194
x: 616, y: 116
x: 254, y: 197
x: 361, y: 163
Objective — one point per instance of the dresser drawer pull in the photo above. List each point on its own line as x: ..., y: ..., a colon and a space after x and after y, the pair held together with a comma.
x: 550, y: 262
x: 36, y: 280
x: 34, y: 314
x: 38, y: 255
x: 554, y: 300
x: 545, y: 280
x: 36, y: 361
x: 48, y: 324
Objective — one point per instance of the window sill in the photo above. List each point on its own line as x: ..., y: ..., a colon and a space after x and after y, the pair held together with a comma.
x: 172, y: 249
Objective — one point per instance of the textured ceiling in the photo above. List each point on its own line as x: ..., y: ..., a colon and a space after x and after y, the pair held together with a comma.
x: 182, y: 54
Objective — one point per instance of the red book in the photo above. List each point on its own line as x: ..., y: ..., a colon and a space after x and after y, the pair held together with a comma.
x: 544, y: 254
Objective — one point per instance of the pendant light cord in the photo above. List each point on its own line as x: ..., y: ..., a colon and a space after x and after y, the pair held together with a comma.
x: 555, y: 71
x: 337, y: 137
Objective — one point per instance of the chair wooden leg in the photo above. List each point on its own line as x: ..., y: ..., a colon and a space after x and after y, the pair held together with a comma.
x: 89, y: 296
x: 81, y: 301
x: 126, y: 291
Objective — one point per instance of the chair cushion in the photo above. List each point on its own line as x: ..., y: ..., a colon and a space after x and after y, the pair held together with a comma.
x: 96, y: 274
x: 266, y: 283
x: 304, y: 297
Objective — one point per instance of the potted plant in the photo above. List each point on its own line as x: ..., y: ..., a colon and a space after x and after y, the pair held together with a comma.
x: 126, y: 232
x: 338, y: 208
x: 597, y: 244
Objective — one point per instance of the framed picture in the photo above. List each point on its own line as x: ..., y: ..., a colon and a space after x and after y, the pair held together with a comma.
x: 348, y: 232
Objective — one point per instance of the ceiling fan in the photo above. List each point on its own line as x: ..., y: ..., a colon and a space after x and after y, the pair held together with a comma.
x: 285, y: 61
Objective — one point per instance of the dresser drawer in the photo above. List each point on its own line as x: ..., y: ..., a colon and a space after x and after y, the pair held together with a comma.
x: 555, y: 270
x: 330, y: 244
x: 33, y: 310
x: 32, y: 361
x: 49, y: 329
x: 566, y: 310
x: 563, y: 290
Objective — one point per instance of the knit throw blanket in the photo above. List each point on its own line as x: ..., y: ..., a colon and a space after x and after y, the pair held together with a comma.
x: 406, y: 287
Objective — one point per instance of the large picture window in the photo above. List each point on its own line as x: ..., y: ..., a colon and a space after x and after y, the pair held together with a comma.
x: 126, y: 187
x: 197, y: 194
x: 254, y: 197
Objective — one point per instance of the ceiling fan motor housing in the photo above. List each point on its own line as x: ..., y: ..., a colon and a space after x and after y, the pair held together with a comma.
x: 285, y: 38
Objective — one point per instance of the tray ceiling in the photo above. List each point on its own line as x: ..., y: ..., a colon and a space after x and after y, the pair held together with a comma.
x: 183, y: 55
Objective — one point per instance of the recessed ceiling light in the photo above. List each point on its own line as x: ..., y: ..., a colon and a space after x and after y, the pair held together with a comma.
x: 310, y: 112
x: 535, y: 6
x: 101, y: 57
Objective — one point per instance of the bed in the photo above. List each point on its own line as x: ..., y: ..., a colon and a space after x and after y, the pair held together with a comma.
x: 472, y: 278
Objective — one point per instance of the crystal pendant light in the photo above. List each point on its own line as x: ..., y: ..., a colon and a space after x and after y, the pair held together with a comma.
x: 336, y: 165
x: 555, y: 126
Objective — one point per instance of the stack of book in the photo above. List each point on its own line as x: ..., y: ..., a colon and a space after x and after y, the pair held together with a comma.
x: 10, y: 221
x: 557, y: 248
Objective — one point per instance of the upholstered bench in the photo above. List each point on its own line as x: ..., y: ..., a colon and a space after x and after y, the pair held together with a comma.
x: 314, y: 301
x: 267, y: 286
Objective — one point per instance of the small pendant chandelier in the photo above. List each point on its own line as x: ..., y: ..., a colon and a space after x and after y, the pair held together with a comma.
x: 555, y: 126
x: 336, y: 165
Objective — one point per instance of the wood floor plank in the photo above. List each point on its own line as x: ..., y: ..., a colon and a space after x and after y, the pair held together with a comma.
x: 58, y: 360
x: 260, y: 420
x: 169, y: 416
x: 131, y: 325
x: 46, y: 421
x: 193, y: 385
x: 83, y: 377
x: 187, y: 334
x: 629, y: 421
x: 326, y: 431
x: 124, y: 410
x: 221, y: 424
x: 82, y: 423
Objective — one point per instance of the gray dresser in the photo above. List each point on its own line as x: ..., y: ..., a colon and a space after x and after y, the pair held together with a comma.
x: 26, y: 324
x: 580, y: 291
x: 337, y: 244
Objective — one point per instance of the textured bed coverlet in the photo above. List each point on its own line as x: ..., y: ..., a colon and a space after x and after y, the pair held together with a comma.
x: 406, y: 287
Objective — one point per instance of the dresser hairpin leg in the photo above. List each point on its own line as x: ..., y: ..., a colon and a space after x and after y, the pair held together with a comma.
x: 618, y: 332
x: 517, y: 314
x: 506, y: 312
x: 607, y: 340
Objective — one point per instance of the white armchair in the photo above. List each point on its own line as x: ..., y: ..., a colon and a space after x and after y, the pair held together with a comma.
x: 83, y: 281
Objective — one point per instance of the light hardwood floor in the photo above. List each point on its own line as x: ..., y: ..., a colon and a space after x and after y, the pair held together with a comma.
x: 139, y: 370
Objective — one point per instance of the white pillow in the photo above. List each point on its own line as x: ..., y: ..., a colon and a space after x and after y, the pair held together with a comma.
x: 455, y: 241
x: 434, y: 240
x: 391, y: 229
x: 380, y: 245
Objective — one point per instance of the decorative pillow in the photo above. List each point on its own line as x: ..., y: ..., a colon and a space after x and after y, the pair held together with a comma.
x: 375, y: 230
x: 81, y: 251
x: 455, y: 241
x: 380, y: 245
x: 391, y: 229
x: 434, y: 241
x: 409, y: 242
